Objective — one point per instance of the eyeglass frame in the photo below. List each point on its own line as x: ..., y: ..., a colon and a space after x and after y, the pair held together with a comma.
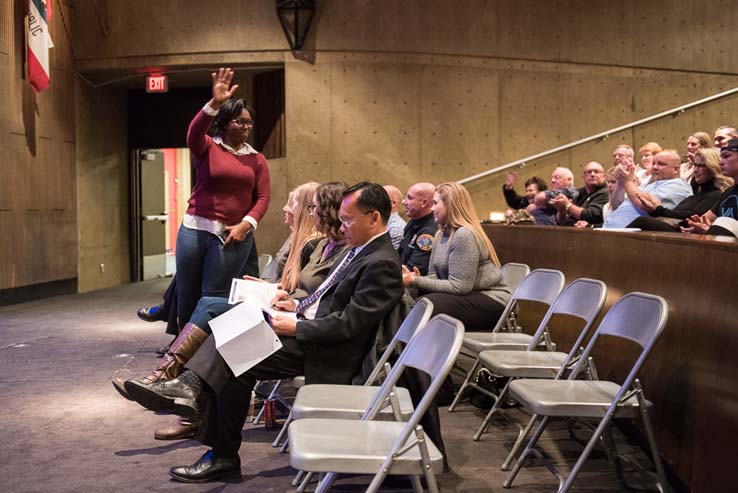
x: 241, y: 122
x: 349, y: 222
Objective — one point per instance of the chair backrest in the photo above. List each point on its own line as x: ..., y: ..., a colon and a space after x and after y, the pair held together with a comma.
x: 541, y: 285
x: 638, y: 317
x: 264, y: 260
x: 583, y: 299
x: 413, y: 323
x: 433, y: 350
x: 513, y: 273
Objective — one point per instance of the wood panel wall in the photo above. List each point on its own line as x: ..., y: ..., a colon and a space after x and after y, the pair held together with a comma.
x: 37, y: 168
x: 691, y: 373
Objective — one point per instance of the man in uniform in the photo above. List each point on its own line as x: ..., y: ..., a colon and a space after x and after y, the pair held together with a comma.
x: 420, y: 232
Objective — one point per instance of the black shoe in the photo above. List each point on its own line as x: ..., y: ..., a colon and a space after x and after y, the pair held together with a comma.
x: 151, y: 314
x: 164, y: 349
x: 208, y: 468
x: 184, y: 395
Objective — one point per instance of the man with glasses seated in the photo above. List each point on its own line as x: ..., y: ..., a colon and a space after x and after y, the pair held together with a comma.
x: 588, y: 204
x: 334, y: 331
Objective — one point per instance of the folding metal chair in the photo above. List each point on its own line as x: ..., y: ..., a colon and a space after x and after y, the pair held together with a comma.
x: 582, y: 299
x: 541, y: 285
x: 378, y: 447
x: 637, y: 317
x: 350, y: 401
x: 264, y: 260
x: 513, y: 273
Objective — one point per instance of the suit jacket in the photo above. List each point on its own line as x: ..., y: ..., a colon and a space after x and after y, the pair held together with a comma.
x: 343, y: 331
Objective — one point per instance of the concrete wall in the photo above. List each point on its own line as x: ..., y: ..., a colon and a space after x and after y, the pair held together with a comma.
x: 102, y: 187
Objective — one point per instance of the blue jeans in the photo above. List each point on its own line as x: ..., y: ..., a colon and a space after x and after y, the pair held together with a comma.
x: 205, y: 268
x: 207, y: 309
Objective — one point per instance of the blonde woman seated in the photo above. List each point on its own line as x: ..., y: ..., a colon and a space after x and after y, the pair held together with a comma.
x: 464, y: 278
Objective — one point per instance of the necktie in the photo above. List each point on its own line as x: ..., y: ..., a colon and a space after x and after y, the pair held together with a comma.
x: 326, y: 285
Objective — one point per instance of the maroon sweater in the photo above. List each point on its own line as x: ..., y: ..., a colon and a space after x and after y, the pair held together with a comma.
x: 228, y: 187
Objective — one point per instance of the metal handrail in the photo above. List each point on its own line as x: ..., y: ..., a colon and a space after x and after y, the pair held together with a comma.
x: 602, y: 135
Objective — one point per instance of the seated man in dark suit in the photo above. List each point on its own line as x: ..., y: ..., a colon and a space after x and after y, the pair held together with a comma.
x: 335, y: 330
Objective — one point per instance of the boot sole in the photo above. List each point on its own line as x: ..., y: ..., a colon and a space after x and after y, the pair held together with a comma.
x: 121, y: 390
x: 148, y: 399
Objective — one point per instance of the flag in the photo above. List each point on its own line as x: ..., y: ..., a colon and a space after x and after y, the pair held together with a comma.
x: 38, y: 43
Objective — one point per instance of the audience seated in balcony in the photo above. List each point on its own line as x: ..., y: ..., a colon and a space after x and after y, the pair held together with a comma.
x: 562, y: 183
x: 722, y: 219
x: 588, y: 204
x: 708, y: 183
x: 665, y: 185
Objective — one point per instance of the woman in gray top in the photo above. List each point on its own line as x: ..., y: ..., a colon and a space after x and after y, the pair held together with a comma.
x: 464, y: 278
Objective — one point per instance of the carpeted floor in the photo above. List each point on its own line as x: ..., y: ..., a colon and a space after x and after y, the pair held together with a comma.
x: 64, y: 428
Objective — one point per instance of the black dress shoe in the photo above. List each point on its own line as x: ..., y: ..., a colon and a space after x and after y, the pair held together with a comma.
x: 208, y: 468
x: 151, y: 314
x: 184, y: 395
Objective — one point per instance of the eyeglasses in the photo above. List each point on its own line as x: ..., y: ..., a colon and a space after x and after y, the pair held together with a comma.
x: 347, y: 222
x: 242, y: 122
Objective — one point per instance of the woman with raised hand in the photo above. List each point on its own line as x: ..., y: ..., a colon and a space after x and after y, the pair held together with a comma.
x: 230, y: 197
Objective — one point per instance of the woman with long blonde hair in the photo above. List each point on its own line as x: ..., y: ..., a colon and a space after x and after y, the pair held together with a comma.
x: 297, y: 212
x: 464, y: 278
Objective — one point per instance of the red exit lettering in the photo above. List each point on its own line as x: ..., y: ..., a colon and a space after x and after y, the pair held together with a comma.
x: 157, y: 83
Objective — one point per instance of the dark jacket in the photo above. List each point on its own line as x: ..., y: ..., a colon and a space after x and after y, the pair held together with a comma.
x: 343, y: 331
x: 592, y: 203
x: 417, y: 243
x: 514, y: 201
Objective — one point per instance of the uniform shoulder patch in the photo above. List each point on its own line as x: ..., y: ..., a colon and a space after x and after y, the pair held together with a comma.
x: 425, y: 242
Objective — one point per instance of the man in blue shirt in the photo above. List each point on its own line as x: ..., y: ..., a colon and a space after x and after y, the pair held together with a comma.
x: 665, y: 185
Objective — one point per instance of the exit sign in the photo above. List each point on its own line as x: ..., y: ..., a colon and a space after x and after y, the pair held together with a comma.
x: 157, y: 83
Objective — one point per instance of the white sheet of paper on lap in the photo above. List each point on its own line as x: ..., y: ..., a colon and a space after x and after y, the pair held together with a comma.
x: 259, y: 293
x: 243, y: 338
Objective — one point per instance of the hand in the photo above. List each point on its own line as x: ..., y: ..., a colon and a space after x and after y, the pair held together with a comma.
x: 222, y: 89
x: 690, y: 157
x: 409, y: 276
x: 560, y: 202
x: 581, y: 224
x: 284, y: 326
x: 237, y: 233
x: 697, y: 224
x: 649, y: 203
x: 510, y: 179
x: 252, y: 278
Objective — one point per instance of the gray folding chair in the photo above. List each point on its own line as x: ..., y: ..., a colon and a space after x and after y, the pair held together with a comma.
x: 350, y: 401
x: 383, y: 448
x: 541, y: 285
x: 582, y: 299
x: 264, y: 260
x: 637, y: 317
x: 513, y: 273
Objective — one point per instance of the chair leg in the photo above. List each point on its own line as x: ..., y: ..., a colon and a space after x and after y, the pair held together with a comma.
x: 305, y: 481
x: 298, y: 477
x: 417, y: 485
x: 277, y: 441
x: 325, y: 482
x: 663, y: 486
x: 518, y: 443
x: 272, y: 395
x: 528, y: 450
x: 585, y: 454
x: 487, y: 419
x: 468, y: 378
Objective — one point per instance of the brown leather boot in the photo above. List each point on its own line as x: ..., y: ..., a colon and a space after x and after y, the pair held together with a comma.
x: 180, y: 429
x: 171, y: 364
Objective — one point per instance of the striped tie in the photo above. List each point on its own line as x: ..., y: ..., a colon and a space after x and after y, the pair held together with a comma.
x: 324, y: 287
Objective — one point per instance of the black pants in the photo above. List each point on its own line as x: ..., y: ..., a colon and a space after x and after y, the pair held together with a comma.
x: 229, y: 404
x: 478, y: 312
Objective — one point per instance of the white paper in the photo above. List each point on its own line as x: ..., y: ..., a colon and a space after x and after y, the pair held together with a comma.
x: 258, y: 293
x: 243, y: 338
